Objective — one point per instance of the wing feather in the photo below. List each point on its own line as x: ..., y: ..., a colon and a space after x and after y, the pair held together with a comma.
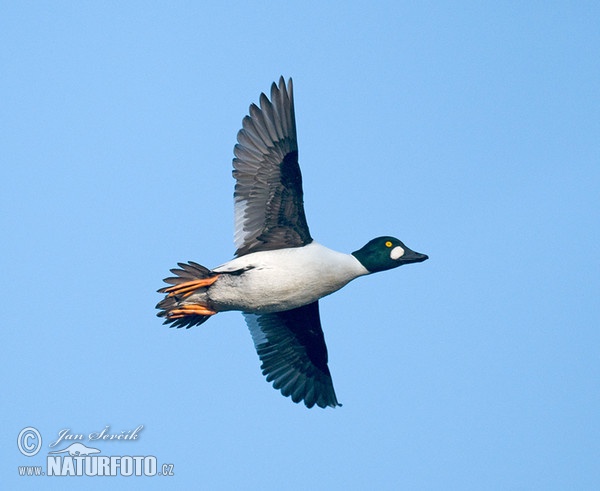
x: 292, y: 349
x: 269, y: 199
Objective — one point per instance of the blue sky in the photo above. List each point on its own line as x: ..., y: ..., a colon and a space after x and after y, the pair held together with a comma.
x: 471, y: 131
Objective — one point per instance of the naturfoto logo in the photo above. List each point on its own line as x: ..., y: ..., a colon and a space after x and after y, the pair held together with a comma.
x: 75, y: 458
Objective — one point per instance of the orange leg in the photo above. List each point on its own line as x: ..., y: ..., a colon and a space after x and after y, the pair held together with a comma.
x: 189, y: 309
x: 188, y: 287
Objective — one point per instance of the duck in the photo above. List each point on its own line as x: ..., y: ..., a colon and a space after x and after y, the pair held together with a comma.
x: 279, y: 272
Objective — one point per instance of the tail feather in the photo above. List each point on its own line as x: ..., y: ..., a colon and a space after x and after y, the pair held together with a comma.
x: 188, y: 272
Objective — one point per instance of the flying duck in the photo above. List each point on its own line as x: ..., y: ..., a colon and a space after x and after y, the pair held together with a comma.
x: 279, y: 272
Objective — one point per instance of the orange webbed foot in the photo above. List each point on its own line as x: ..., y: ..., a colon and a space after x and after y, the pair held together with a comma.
x: 189, y: 309
x: 186, y: 288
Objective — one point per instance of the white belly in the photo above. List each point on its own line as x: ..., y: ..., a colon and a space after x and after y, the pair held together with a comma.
x: 283, y: 279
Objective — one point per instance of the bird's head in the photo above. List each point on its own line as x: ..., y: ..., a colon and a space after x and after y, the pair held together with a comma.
x: 384, y: 253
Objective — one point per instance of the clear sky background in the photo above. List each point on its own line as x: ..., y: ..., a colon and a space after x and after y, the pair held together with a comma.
x: 470, y: 130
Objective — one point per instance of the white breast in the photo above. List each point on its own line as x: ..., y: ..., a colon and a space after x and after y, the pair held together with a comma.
x: 283, y: 279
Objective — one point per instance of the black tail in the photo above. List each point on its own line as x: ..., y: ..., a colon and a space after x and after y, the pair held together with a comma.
x: 189, y: 272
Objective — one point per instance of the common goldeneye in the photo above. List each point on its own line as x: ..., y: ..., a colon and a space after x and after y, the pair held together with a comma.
x: 279, y: 272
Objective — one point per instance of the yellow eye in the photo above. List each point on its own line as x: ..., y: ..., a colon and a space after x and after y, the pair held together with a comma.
x: 388, y: 244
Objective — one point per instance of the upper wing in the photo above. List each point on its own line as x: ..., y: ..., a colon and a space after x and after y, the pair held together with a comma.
x: 269, y: 208
x: 292, y: 349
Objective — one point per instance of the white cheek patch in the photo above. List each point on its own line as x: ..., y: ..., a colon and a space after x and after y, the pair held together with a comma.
x: 397, y: 252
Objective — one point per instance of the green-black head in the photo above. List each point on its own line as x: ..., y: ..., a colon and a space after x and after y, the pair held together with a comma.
x: 386, y: 253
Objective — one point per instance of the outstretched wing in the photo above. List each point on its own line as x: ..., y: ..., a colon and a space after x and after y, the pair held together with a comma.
x: 292, y: 349
x: 269, y: 207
